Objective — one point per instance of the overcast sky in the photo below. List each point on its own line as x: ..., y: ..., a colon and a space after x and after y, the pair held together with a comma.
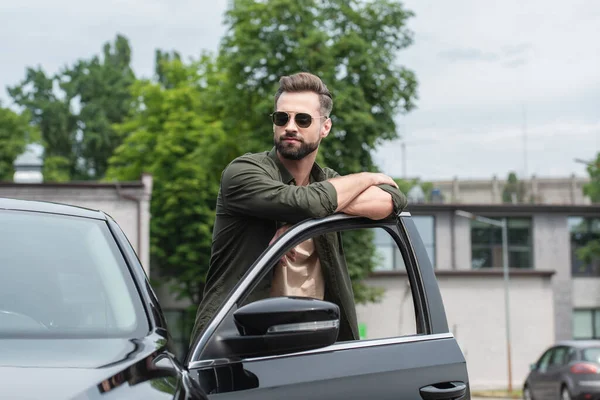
x: 488, y: 71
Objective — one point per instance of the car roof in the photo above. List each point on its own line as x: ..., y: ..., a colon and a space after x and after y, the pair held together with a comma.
x: 579, y: 343
x: 49, y: 207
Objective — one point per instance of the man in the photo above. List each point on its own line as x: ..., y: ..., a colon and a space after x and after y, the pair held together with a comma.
x: 263, y: 194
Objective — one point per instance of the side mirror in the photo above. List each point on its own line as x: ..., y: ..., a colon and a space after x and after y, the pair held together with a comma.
x: 282, y: 325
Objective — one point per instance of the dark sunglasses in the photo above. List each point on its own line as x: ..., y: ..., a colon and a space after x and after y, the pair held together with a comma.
x: 282, y: 118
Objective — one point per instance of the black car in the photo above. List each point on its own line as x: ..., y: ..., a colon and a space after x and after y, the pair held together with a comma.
x: 568, y: 370
x: 79, y: 320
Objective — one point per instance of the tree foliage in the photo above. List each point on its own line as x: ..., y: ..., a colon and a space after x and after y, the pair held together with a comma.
x: 590, y: 253
x: 170, y: 135
x: 15, y: 134
x: 52, y: 114
x: 592, y: 188
x: 75, y: 109
x: 514, y: 190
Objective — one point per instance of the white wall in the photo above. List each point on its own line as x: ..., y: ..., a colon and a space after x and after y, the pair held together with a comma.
x: 475, y: 311
x: 586, y: 292
x: 552, y: 251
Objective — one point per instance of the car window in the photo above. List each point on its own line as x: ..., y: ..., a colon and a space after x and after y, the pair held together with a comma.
x: 559, y: 357
x: 384, y: 305
x: 591, y: 354
x: 572, y: 356
x: 545, y: 361
x: 64, y: 276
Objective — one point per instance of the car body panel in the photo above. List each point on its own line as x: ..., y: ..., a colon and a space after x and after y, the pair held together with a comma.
x: 48, y: 207
x: 392, y: 371
x: 62, y: 369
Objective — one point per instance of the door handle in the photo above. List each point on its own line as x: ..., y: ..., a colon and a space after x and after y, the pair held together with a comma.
x: 443, y: 391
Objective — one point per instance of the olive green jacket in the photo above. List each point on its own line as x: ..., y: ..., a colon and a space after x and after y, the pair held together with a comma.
x: 257, y: 196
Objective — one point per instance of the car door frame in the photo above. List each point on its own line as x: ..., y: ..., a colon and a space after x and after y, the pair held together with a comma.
x: 539, y: 384
x: 431, y: 323
x: 554, y: 372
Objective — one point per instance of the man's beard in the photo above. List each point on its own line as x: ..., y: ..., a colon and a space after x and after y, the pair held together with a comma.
x: 292, y: 152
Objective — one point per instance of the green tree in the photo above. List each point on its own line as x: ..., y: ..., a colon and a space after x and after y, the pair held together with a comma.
x: 52, y: 115
x: 514, y: 190
x: 101, y: 88
x: 352, y: 45
x: 591, y: 251
x: 592, y: 188
x: 15, y: 134
x: 170, y: 135
x: 77, y: 145
x: 405, y: 185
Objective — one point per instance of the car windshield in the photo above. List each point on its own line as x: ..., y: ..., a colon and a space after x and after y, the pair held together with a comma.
x: 592, y: 354
x: 63, y: 276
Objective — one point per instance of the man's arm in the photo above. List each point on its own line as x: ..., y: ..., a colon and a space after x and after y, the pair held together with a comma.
x: 248, y: 189
x: 352, y: 188
x: 377, y: 202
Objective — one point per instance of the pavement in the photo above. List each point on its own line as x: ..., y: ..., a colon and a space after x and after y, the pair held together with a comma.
x: 491, y: 398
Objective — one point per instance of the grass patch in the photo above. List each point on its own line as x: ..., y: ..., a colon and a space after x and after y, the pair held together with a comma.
x: 515, y: 394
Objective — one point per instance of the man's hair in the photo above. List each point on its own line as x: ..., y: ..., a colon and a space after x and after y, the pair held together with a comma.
x: 306, y: 82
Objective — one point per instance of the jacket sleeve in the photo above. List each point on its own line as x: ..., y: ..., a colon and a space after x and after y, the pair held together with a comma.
x: 249, y: 189
x: 399, y: 200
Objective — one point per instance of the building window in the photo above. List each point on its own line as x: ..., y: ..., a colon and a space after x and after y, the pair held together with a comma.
x: 389, y: 256
x: 586, y: 324
x: 582, y: 231
x: 486, y: 244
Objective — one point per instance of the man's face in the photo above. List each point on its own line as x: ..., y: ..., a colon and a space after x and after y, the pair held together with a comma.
x: 296, y: 142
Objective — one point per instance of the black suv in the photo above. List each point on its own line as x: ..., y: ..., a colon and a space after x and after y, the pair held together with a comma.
x: 79, y: 319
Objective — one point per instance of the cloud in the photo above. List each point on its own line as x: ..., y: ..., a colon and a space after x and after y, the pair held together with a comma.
x: 510, y: 56
x: 516, y: 50
x: 467, y: 55
x: 547, y: 149
x: 515, y: 63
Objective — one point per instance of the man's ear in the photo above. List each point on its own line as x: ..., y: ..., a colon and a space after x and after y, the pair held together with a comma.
x: 326, y: 128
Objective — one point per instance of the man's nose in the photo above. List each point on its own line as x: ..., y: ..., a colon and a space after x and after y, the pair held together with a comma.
x: 291, y: 125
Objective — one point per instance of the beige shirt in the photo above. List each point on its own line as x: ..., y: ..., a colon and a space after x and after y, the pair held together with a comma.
x: 302, y: 277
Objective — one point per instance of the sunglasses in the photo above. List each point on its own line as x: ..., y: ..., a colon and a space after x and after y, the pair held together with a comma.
x: 282, y: 118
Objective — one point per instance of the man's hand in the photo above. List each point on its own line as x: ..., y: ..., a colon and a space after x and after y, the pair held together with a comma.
x: 290, y: 254
x: 382, y: 179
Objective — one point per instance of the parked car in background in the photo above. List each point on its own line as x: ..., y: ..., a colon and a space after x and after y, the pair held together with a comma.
x: 79, y: 320
x: 568, y: 370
